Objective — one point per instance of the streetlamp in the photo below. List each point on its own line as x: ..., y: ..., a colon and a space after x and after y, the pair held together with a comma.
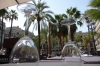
x: 90, y: 29
x: 93, y: 40
x: 88, y: 24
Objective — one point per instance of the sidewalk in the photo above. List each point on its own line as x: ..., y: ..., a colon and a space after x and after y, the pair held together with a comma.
x: 91, y: 59
x: 51, y: 64
x: 84, y: 59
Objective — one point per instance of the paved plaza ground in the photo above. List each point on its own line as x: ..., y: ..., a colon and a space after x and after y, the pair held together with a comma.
x: 57, y: 62
x: 52, y: 63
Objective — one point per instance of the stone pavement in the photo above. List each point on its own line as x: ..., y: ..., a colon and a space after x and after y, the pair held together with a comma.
x: 51, y: 63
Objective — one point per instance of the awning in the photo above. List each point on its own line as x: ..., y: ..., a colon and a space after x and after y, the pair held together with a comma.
x: 8, y: 3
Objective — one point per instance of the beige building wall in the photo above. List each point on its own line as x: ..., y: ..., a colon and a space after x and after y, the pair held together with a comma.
x: 97, y: 38
x: 16, y: 32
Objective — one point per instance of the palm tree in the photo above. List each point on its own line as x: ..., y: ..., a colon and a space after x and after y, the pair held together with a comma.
x: 94, y: 3
x: 12, y: 15
x: 40, y: 16
x: 93, y: 13
x: 73, y: 13
x: 57, y: 29
x: 3, y: 12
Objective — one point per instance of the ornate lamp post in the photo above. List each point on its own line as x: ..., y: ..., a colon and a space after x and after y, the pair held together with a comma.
x: 92, y: 43
x: 93, y: 40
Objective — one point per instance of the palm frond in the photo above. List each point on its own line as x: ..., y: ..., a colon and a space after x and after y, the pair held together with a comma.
x: 94, y: 3
x: 43, y: 24
x: 35, y: 25
x: 44, y: 7
x: 93, y: 14
x: 77, y: 14
x: 41, y: 5
x: 74, y: 10
x: 79, y: 23
x: 57, y: 17
x: 68, y: 11
x: 3, y: 12
x: 48, y: 12
x: 73, y: 13
x: 49, y: 17
x: 65, y: 16
x: 34, y: 2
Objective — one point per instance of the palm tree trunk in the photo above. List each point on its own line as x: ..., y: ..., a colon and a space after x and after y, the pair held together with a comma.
x: 46, y: 45
x: 89, y: 41
x: 62, y: 41
x: 60, y: 37
x: 39, y: 35
x: 72, y: 35
x: 49, y: 41
x: 1, y: 35
x: 67, y: 38
x: 10, y: 29
x: 72, y: 32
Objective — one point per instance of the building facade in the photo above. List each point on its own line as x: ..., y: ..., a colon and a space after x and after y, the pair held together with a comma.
x: 16, y: 32
x: 97, y: 38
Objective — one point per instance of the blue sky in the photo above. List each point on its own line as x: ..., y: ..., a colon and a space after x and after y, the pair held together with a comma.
x: 58, y: 7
